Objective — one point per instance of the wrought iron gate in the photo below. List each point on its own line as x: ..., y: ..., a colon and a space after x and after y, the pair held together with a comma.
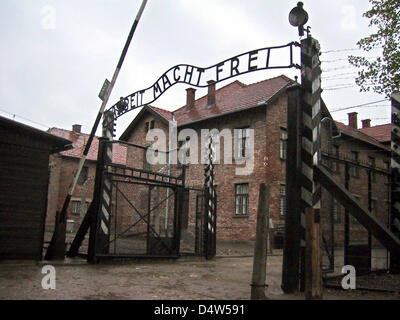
x: 142, y: 212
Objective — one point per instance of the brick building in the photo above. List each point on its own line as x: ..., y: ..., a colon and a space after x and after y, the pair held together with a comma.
x: 262, y: 106
x: 63, y: 166
x: 366, y: 150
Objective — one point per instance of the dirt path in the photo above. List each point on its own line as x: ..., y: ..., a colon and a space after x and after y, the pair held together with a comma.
x: 186, y: 278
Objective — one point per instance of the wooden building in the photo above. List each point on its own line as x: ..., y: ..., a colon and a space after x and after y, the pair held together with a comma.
x: 24, y: 175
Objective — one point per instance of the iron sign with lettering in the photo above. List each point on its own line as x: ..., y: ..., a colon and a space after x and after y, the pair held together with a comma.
x: 255, y: 60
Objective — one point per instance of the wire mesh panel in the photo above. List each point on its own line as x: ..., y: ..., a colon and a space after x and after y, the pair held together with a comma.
x: 143, y: 219
x: 199, y: 224
x: 192, y: 222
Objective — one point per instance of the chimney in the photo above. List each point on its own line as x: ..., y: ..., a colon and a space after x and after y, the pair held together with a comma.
x: 76, y: 128
x: 353, y: 120
x: 366, y: 123
x: 190, y: 97
x: 211, y: 93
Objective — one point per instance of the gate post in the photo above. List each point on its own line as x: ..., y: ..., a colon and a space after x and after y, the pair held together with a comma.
x: 291, y: 247
x: 210, y: 203
x: 104, y: 222
x: 258, y: 284
x: 395, y: 185
x: 311, y: 142
x: 101, y: 223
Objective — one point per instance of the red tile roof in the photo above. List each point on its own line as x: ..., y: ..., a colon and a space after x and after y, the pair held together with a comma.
x: 164, y: 113
x: 79, y: 142
x: 382, y: 133
x: 358, y: 134
x: 233, y: 97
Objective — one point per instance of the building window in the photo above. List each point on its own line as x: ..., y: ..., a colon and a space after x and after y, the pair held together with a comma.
x: 187, y: 147
x: 242, y: 199
x: 146, y: 164
x: 283, y: 144
x: 372, y: 165
x: 184, y: 146
x: 149, y: 125
x: 282, y: 195
x: 83, y: 176
x: 76, y: 207
x: 325, y: 162
x: 386, y: 165
x: 354, y: 169
x: 336, y: 212
x: 335, y: 154
x: 243, y: 135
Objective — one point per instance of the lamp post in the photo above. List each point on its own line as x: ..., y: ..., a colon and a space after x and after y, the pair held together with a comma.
x: 308, y: 225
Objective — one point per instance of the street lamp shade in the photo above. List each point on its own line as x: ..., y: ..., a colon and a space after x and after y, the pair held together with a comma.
x: 298, y: 16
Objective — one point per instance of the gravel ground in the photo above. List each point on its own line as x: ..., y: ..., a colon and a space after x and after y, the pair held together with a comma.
x: 185, y: 278
x: 378, y: 282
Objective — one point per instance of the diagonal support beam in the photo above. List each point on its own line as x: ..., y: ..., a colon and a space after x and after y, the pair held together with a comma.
x: 82, y: 231
x: 142, y: 217
x: 359, y: 212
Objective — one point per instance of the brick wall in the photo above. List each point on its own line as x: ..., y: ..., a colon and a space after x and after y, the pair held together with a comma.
x: 53, y: 192
x: 61, y: 175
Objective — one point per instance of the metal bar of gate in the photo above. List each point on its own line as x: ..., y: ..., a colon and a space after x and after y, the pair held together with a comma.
x: 143, y: 217
x: 103, y: 105
x: 291, y: 249
x: 108, y: 90
x: 346, y: 216
x: 148, y: 220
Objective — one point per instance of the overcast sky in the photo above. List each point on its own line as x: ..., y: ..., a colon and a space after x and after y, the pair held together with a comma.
x: 56, y: 53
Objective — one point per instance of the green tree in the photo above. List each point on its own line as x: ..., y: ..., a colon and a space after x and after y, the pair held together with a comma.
x: 381, y: 74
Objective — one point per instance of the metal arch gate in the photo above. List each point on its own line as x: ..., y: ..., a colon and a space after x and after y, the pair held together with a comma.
x: 140, y: 236
x: 120, y: 189
x: 99, y: 213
